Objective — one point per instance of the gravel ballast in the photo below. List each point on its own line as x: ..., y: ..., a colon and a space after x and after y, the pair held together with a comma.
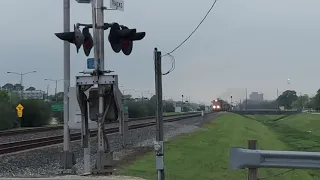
x: 57, y: 132
x: 45, y: 162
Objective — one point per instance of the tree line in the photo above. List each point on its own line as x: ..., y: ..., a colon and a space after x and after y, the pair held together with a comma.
x: 37, y: 112
x: 289, y: 99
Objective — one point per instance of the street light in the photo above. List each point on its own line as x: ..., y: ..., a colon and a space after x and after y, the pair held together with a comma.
x: 55, y: 91
x: 142, y: 92
x: 21, y: 80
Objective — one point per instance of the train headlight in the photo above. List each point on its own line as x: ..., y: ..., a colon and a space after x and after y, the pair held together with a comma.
x: 214, y: 107
x: 218, y: 106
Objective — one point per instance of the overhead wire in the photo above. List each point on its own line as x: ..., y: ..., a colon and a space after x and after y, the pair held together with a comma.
x: 197, y: 27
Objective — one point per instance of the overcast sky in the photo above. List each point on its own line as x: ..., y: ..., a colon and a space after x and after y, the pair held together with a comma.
x: 242, y: 44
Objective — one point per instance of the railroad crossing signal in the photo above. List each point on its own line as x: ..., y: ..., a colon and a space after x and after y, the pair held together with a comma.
x: 121, y: 38
x: 88, y: 41
x: 19, y: 109
x: 75, y: 37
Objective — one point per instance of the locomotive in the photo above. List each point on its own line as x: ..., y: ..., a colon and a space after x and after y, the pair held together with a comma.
x: 220, y: 105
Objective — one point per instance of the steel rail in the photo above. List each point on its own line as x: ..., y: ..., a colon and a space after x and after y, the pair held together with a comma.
x: 51, y: 140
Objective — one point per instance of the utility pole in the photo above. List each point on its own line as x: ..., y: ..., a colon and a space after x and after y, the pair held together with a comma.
x: 301, y: 101
x: 56, y: 87
x: 277, y: 98
x: 246, y: 99
x: 158, y: 144
x: 67, y: 156
x: 47, y: 92
x: 182, y: 103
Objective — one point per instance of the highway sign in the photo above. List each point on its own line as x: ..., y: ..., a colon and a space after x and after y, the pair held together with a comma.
x: 90, y: 63
x: 117, y: 4
x: 57, y: 107
x: 19, y: 109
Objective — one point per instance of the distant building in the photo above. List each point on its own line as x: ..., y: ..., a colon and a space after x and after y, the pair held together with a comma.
x: 255, y: 96
x: 35, y: 94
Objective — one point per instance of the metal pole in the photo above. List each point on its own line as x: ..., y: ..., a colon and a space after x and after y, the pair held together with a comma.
x: 181, y: 103
x: 246, y: 98
x: 277, y: 99
x: 100, y: 15
x: 142, y: 97
x: 66, y: 84
x: 99, y: 22
x: 105, y: 157
x: 301, y: 101
x: 48, y: 92
x: 55, y: 91
x: 159, y: 148
x: 21, y: 84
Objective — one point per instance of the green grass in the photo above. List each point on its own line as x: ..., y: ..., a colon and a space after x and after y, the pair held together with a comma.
x: 170, y: 113
x: 299, y: 132
x: 204, y: 155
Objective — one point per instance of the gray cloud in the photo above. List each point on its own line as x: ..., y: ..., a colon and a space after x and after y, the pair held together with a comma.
x: 242, y: 44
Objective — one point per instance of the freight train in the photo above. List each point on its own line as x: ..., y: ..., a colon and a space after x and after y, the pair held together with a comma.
x: 220, y: 105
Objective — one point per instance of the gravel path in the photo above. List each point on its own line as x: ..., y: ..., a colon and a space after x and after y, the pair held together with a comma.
x: 35, y: 135
x: 45, y: 162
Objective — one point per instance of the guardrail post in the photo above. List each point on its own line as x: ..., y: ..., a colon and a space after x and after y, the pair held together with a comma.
x: 252, y: 172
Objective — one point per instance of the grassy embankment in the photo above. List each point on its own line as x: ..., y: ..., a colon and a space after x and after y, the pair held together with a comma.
x: 204, y: 154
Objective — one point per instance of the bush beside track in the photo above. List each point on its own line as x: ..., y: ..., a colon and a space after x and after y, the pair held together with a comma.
x: 205, y: 154
x: 38, y: 113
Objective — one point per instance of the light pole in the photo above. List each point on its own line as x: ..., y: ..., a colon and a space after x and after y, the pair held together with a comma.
x: 55, y: 91
x: 125, y: 90
x: 142, y: 96
x: 181, y: 103
x: 21, y: 79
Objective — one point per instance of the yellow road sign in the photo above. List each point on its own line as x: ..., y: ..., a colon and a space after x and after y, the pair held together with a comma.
x: 19, y: 109
x: 19, y: 113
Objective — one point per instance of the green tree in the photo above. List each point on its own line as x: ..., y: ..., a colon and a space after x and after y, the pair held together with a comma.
x: 8, y: 116
x: 301, y: 102
x: 287, y: 98
x: 136, y: 109
x: 168, y: 106
x: 202, y: 107
x: 4, y: 96
x: 35, y: 113
x: 316, y: 101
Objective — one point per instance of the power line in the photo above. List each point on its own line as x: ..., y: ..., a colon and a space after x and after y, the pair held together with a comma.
x: 204, y: 18
x: 169, y: 53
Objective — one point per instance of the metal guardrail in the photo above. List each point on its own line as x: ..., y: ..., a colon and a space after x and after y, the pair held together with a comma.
x: 241, y: 158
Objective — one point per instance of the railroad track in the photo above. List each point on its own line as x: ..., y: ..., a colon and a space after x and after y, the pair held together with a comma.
x: 47, y: 141
x: 51, y: 128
